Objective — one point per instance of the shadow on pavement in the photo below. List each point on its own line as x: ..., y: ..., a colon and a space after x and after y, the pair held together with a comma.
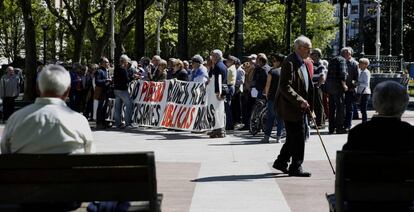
x: 168, y: 135
x: 249, y: 142
x: 248, y: 177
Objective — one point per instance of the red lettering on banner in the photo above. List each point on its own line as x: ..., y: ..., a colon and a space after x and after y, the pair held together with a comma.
x: 154, y: 92
x: 178, y: 116
x: 168, y: 115
x: 144, y: 89
x: 189, y: 115
x: 178, y: 122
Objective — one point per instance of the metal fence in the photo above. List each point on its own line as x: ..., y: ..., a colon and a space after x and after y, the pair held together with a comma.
x: 386, y: 64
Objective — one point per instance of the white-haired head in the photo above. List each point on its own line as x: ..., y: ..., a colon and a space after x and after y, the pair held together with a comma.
x: 390, y: 99
x: 53, y: 80
x: 302, y: 41
x: 125, y: 58
x: 218, y: 54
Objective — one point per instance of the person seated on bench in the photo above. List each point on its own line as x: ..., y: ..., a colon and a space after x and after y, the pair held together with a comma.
x: 48, y: 125
x: 385, y: 132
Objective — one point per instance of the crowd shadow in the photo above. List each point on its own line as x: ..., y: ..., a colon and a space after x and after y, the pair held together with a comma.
x: 164, y: 133
x: 248, y: 177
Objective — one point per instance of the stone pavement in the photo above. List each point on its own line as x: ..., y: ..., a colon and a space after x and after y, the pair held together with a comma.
x: 199, y: 174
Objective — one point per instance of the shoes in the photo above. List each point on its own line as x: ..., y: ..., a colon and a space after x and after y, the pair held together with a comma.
x: 341, y: 131
x: 129, y: 127
x: 245, y: 128
x: 265, y: 139
x: 280, y: 167
x: 299, y: 173
x: 217, y: 135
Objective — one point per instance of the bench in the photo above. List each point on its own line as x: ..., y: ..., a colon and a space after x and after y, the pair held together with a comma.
x: 373, y: 179
x: 45, y: 178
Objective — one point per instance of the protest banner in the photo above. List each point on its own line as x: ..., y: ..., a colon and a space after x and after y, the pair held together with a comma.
x: 175, y: 104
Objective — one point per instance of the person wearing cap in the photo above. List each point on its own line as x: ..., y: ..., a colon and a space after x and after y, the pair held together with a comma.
x: 199, y: 73
x: 231, y: 82
x: 121, y: 81
x: 252, y: 59
x: 219, y: 70
x: 319, y: 78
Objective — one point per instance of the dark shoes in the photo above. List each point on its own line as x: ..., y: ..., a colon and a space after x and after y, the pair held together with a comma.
x: 299, y: 173
x: 280, y: 167
x: 342, y: 131
x: 292, y: 172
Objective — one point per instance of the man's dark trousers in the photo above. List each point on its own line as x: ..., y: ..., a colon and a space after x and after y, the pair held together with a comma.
x: 8, y: 107
x: 350, y: 98
x: 336, y: 111
x: 294, y: 146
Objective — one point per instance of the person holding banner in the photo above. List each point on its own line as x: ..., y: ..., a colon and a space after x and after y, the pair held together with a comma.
x: 294, y: 99
x: 200, y: 73
x: 178, y: 71
x: 219, y: 71
x: 121, y: 82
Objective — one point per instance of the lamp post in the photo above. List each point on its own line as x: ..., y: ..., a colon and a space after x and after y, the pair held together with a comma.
x: 160, y: 6
x: 378, y: 42
x: 44, y: 28
x: 112, y: 53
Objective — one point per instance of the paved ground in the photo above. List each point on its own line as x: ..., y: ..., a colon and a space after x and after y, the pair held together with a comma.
x: 199, y: 174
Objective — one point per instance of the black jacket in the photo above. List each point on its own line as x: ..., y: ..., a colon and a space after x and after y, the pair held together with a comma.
x: 381, y: 134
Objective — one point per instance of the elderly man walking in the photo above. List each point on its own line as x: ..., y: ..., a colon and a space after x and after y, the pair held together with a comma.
x: 9, y: 91
x: 294, y: 99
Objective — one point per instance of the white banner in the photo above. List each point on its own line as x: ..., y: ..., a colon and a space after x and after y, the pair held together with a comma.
x: 175, y: 104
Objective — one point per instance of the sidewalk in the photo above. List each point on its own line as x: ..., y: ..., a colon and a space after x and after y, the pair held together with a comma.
x: 199, y: 174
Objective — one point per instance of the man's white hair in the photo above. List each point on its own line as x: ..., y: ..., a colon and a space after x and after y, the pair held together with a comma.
x: 125, y: 58
x: 301, y: 41
x: 390, y: 99
x: 218, y: 53
x: 54, y: 79
x: 347, y: 49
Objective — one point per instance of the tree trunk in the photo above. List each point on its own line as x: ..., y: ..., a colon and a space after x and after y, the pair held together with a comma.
x: 30, y: 47
x: 78, y: 38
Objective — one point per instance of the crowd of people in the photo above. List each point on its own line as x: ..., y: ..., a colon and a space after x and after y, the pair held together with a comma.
x: 338, y: 86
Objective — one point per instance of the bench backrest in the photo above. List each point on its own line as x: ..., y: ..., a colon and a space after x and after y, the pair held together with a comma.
x: 373, y: 177
x: 35, y: 178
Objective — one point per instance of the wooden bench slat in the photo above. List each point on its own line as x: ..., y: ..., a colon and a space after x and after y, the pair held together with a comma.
x: 95, y: 174
x: 43, y: 178
x: 50, y: 161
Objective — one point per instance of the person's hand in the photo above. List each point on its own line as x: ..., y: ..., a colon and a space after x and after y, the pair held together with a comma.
x: 219, y: 97
x: 345, y: 87
x: 304, y: 105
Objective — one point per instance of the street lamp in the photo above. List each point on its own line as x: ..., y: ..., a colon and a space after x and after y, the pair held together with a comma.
x: 160, y: 6
x: 378, y: 42
x: 112, y: 46
x: 44, y: 28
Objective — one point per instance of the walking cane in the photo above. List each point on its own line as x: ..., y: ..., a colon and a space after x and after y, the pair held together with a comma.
x: 320, y: 138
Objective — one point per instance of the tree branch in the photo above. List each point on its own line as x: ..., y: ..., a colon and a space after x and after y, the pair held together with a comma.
x: 70, y: 12
x: 57, y: 15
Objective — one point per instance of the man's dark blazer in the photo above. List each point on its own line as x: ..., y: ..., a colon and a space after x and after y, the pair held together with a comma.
x: 292, y: 92
x: 381, y: 134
